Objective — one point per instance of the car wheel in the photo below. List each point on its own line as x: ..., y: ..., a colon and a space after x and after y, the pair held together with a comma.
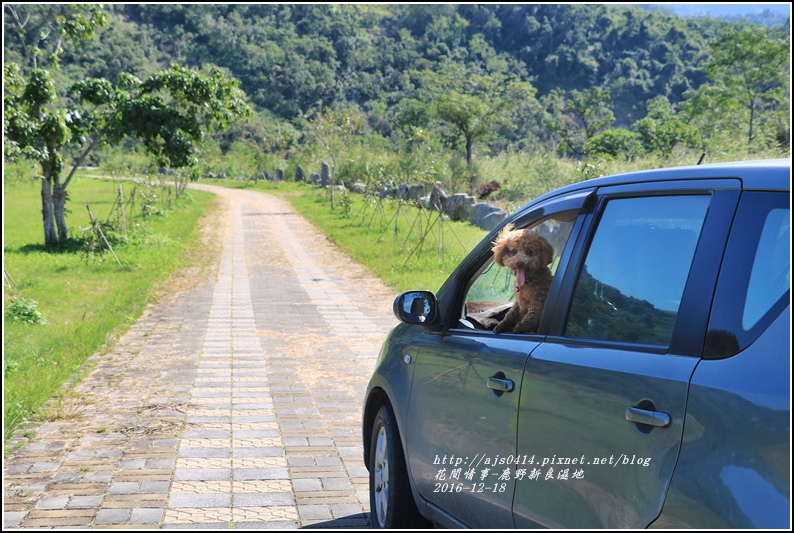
x: 391, y: 502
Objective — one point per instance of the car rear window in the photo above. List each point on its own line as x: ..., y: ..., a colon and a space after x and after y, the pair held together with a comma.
x: 755, y: 280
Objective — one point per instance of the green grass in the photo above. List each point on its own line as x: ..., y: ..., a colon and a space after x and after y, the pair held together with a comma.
x: 368, y: 236
x: 86, y: 304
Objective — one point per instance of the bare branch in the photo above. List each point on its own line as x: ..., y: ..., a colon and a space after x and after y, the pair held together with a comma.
x: 21, y: 25
x: 79, y: 160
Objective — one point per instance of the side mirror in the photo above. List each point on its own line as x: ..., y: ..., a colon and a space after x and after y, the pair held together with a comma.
x: 417, y: 307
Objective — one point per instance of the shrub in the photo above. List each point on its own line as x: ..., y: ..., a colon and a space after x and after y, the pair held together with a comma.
x: 613, y: 143
x: 24, y: 310
x: 485, y: 190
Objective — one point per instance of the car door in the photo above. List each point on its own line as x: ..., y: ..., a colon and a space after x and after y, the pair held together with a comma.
x: 604, y: 395
x: 463, y: 409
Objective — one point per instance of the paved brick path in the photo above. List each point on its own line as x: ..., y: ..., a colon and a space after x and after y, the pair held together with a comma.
x: 235, y: 403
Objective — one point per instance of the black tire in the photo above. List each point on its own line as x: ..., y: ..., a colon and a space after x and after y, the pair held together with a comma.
x: 391, y: 502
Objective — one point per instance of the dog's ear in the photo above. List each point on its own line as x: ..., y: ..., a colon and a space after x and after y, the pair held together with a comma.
x: 505, y: 233
x: 500, y: 244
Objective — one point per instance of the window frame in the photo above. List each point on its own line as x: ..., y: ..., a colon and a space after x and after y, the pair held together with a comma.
x: 690, y: 328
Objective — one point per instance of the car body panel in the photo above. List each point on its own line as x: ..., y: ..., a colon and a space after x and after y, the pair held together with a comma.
x: 457, y: 421
x: 573, y: 405
x: 391, y: 380
x: 734, y: 470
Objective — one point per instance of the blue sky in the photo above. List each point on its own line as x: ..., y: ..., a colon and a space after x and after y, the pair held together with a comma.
x: 716, y: 10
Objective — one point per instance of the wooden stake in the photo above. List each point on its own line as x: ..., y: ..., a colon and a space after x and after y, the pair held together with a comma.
x: 131, y: 201
x: 395, y: 218
x: 8, y: 279
x: 121, y: 206
x: 95, y: 224
x: 112, y: 208
x: 465, y: 249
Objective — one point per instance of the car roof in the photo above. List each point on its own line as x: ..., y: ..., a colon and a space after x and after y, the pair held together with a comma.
x: 768, y: 174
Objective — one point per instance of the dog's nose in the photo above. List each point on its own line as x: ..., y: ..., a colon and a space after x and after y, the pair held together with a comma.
x: 520, y: 265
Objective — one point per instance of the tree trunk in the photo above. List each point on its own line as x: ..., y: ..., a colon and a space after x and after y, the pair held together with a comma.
x: 332, y: 181
x: 48, y: 215
x: 469, y: 143
x: 469, y: 166
x: 332, y: 185
x: 58, y: 202
x: 750, y: 132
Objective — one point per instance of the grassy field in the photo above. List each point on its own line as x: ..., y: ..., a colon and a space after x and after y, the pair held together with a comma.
x: 366, y: 231
x: 86, y: 303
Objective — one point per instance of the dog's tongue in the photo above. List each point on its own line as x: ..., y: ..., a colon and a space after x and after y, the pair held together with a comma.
x: 520, y: 278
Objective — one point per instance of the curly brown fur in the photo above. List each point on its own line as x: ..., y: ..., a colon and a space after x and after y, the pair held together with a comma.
x: 528, y: 255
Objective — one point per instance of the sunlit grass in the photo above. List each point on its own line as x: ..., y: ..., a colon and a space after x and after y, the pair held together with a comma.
x: 86, y: 302
x: 403, y: 246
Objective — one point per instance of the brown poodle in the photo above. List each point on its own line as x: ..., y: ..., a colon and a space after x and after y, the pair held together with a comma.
x: 528, y: 255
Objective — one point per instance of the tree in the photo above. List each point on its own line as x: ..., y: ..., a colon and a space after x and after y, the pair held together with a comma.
x: 612, y: 143
x: 749, y: 71
x: 169, y: 112
x: 578, y: 117
x: 41, y: 32
x: 662, y: 129
x: 475, y: 104
x: 335, y: 130
x: 410, y: 119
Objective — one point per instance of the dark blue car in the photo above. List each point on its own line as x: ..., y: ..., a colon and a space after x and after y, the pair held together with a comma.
x: 654, y: 392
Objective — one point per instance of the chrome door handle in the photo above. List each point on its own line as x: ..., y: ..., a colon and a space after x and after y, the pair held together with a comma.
x: 501, y: 385
x: 650, y: 418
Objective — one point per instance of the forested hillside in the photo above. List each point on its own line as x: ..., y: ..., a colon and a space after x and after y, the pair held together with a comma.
x: 292, y: 59
x: 575, y: 80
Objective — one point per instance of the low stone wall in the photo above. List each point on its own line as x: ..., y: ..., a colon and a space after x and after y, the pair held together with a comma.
x: 458, y: 206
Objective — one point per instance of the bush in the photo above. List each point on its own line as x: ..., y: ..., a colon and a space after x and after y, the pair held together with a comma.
x: 23, y: 310
x: 524, y: 176
x: 484, y: 191
x: 613, y: 143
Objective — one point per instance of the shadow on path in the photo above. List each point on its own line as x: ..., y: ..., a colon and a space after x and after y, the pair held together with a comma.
x: 357, y: 521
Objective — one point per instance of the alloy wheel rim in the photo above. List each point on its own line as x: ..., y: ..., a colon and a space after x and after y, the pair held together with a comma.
x: 382, y: 477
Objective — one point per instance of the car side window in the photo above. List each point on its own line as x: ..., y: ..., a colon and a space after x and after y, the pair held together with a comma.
x: 492, y: 291
x: 630, y: 286
x: 770, y: 275
x: 755, y: 276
